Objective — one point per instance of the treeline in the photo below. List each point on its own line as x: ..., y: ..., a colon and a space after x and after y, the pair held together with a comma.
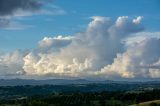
x: 106, y: 98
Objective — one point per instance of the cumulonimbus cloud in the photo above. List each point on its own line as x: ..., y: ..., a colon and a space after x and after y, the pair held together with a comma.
x: 100, y: 52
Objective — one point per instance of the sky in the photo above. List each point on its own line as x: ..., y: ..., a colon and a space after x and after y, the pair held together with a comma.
x: 89, y: 39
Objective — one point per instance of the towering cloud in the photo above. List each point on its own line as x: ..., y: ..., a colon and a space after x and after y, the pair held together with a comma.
x: 141, y: 60
x: 101, y: 52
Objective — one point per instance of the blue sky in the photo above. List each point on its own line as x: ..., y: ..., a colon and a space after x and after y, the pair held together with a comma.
x: 90, y: 39
x: 75, y: 19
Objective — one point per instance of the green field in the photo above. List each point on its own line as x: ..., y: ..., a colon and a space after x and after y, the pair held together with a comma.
x: 148, y: 103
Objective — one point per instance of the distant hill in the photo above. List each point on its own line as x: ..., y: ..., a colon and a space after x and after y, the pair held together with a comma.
x: 16, y: 82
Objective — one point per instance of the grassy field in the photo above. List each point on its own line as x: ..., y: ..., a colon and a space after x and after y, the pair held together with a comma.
x: 147, y: 103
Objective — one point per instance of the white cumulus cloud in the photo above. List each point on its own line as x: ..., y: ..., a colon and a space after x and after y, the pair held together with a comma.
x: 106, y: 50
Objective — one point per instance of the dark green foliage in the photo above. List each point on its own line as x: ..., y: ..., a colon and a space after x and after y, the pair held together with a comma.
x: 105, y: 98
x: 74, y: 95
x: 38, y: 103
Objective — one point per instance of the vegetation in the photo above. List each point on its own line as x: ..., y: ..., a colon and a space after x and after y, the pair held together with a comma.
x: 79, y: 95
x: 149, y: 103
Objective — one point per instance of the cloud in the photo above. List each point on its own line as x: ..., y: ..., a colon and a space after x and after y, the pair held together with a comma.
x: 8, y: 24
x: 11, y: 63
x: 11, y: 9
x: 141, y: 60
x: 106, y: 50
x: 54, y: 43
x: 137, y: 20
x: 139, y: 37
x: 87, y: 54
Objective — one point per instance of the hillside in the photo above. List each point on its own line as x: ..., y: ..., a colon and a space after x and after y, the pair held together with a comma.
x: 148, y: 103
